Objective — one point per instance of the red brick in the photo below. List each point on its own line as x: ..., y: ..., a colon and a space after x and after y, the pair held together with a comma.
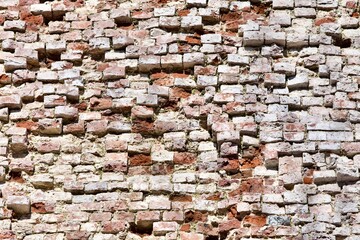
x: 351, y: 4
x: 7, y: 235
x: 142, y: 127
x: 207, y: 229
x: 48, y: 146
x: 125, y: 216
x: 115, y: 145
x: 42, y: 207
x: 229, y: 165
x: 100, y: 217
x: 180, y: 198
x: 195, y: 216
x: 114, y: 206
x: 252, y: 185
x: 323, y: 20
x: 184, y: 158
x: 147, y: 216
x: 177, y: 216
x: 139, y: 160
x: 100, y: 103
x: 83, y: 235
x: 177, y: 93
x: 185, y: 227
x: 114, y: 226
x: 226, y: 226
x: 254, y: 220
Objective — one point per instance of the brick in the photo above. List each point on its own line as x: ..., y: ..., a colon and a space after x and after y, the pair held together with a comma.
x: 237, y: 5
x: 66, y: 112
x: 290, y: 170
x: 210, y: 15
x: 120, y: 42
x: 203, y: 81
x: 9, y: 3
x: 288, y: 68
x: 211, y: 38
x: 305, y: 12
x: 58, y: 27
x: 160, y: 183
x: 114, y: 226
x: 56, y: 47
x: 327, y: 176
x: 171, y: 61
x: 192, y: 59
x: 330, y: 136
x: 116, y: 162
x: 191, y: 22
x: 19, y: 204
x: 41, y: 9
x: 176, y: 216
x: 260, y: 65
x: 281, y: 4
x: 253, y: 38
x: 169, y: 22
x: 347, y: 173
x: 297, y: 40
x: 149, y: 62
x: 50, y: 126
x: 329, y: 126
x: 121, y: 16
x: 165, y: 11
x: 15, y: 63
x: 48, y: 145
x: 191, y: 236
x: 274, y: 79
x: 119, y: 127
x: 99, y: 45
x: 161, y: 228
x: 147, y: 100
x: 11, y: 102
x: 15, y: 25
x: 42, y: 181
x: 95, y: 187
x: 112, y: 73
x: 145, y: 219
x: 237, y: 59
x: 54, y: 100
x: 22, y: 164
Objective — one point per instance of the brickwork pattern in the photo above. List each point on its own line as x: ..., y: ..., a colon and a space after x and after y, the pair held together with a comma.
x: 179, y: 119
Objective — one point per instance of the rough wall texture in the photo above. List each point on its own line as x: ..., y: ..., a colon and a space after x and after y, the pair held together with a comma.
x: 192, y: 120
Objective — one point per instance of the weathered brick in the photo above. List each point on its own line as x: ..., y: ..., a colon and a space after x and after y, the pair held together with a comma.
x: 13, y: 101
x: 191, y: 22
x: 161, y: 228
x: 19, y: 204
x: 290, y: 170
x: 149, y: 62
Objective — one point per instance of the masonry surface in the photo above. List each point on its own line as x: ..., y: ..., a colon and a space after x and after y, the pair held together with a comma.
x: 188, y: 119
